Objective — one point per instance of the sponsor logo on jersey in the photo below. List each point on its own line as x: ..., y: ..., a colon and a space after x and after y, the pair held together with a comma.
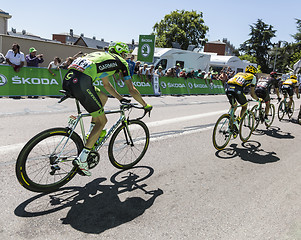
x: 109, y: 66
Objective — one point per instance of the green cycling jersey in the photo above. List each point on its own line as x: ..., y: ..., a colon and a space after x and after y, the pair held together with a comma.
x: 98, y: 65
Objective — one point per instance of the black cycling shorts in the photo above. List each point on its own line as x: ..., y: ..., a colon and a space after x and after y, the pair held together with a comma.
x: 287, y: 89
x: 235, y: 93
x: 81, y: 87
x: 263, y: 93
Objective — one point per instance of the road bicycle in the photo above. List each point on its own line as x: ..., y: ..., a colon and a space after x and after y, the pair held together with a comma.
x: 225, y: 128
x: 284, y: 109
x: 46, y: 161
x: 259, y: 114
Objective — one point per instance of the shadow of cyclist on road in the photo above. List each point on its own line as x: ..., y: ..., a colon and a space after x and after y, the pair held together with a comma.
x: 250, y: 152
x: 97, y: 207
x: 274, y: 132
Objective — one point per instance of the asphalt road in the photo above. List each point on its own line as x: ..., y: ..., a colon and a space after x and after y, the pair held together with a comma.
x: 182, y: 189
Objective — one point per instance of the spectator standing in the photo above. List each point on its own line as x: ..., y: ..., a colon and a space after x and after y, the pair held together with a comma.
x: 159, y: 71
x: 223, y: 77
x: 131, y: 64
x: 183, y: 73
x: 177, y: 70
x: 69, y: 60
x: 190, y: 74
x: 137, y: 67
x: 2, y: 58
x: 150, y: 73
x: 55, y: 64
x: 32, y: 59
x: 143, y: 72
x: 15, y: 57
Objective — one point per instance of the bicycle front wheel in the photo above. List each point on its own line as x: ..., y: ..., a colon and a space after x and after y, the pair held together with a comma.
x: 281, y: 110
x: 270, y: 116
x: 128, y: 145
x: 221, y: 132
x: 256, y: 113
x: 246, y: 126
x: 45, y: 162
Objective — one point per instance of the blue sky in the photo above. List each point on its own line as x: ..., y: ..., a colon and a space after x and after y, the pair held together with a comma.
x: 126, y: 20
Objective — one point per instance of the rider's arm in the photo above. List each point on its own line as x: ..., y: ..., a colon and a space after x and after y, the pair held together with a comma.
x: 108, y: 86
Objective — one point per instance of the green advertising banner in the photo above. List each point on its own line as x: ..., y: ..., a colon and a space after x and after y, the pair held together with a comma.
x: 146, y: 48
x: 29, y: 82
x: 39, y: 82
x: 178, y: 86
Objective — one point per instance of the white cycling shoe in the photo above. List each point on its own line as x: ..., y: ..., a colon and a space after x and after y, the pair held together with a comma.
x: 83, y: 166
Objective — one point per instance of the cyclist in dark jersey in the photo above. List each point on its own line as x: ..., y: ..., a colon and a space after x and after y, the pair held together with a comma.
x: 235, y: 89
x: 78, y: 81
x: 263, y: 88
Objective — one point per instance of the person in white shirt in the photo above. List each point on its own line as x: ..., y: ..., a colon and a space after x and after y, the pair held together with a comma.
x: 54, y: 65
x: 15, y: 57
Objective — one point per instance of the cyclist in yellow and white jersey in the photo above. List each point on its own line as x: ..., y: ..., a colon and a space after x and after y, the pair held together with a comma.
x: 288, y: 87
x: 236, y: 85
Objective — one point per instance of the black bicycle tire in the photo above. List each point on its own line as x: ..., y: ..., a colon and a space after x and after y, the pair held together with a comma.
x: 220, y: 147
x: 245, y: 139
x: 281, y: 110
x: 272, y: 110
x: 292, y: 108
x: 116, y: 163
x: 21, y: 173
x: 257, y: 121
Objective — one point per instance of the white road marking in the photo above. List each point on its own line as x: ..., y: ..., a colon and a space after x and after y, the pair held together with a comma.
x: 17, y: 147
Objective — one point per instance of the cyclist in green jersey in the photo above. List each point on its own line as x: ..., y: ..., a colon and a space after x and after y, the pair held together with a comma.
x: 78, y: 82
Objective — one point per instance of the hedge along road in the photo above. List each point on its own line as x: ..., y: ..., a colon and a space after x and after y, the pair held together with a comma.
x: 249, y: 191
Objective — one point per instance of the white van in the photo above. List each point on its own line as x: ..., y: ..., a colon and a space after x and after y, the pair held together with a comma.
x: 170, y: 57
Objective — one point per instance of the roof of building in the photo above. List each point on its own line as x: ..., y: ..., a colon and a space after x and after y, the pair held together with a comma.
x: 28, y: 36
x: 4, y: 14
x: 91, y: 43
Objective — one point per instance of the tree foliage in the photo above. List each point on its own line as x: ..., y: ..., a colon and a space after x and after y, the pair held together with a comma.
x: 297, y: 36
x: 184, y: 27
x: 259, y: 43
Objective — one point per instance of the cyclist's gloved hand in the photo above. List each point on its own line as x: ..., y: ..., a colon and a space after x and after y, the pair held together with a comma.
x: 279, y: 99
x: 124, y: 101
x: 148, y: 109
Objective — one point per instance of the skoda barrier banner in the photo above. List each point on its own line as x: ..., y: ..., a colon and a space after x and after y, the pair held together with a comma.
x: 39, y: 82
x: 29, y: 81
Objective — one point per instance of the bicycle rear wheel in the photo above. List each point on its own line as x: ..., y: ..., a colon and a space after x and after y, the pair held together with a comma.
x: 45, y: 162
x: 270, y: 116
x: 291, y: 112
x: 256, y: 113
x: 127, y: 147
x: 281, y: 110
x: 221, y: 132
x: 246, y: 126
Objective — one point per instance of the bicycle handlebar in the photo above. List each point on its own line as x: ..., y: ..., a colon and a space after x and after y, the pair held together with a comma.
x: 134, y: 105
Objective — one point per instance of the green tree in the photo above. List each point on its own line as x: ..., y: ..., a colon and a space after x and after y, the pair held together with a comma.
x: 260, y: 43
x: 297, y: 36
x: 184, y: 27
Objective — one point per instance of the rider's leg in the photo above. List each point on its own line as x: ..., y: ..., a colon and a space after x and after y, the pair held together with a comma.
x: 267, y: 108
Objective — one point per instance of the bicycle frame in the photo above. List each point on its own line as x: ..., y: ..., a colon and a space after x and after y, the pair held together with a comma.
x: 73, y: 122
